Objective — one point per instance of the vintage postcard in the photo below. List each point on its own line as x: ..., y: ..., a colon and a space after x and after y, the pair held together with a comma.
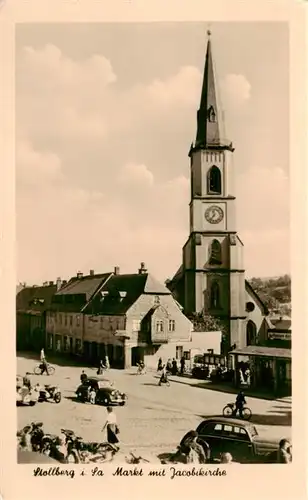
x: 148, y: 229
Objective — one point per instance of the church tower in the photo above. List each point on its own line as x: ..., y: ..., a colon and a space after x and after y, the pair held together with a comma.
x: 212, y: 268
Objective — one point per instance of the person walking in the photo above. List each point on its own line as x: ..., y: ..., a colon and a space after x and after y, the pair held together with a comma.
x: 83, y: 377
x: 174, y: 368
x: 196, y: 453
x: 182, y: 363
x: 111, y: 426
x: 226, y: 458
x: 160, y: 365
x: 107, y: 363
x: 44, y: 366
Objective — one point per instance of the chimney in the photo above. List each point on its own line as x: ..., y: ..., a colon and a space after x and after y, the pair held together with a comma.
x: 142, y: 269
x: 91, y: 272
x: 58, y: 283
x: 79, y: 275
x: 50, y: 283
x: 116, y: 270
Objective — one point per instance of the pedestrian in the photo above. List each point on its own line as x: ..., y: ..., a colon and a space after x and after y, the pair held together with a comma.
x: 107, y: 364
x: 92, y: 396
x: 226, y: 458
x: 27, y: 381
x: 160, y: 365
x: 111, y: 426
x: 83, y: 377
x: 169, y: 365
x: 284, y: 454
x: 195, y: 452
x: 174, y: 368
x: 101, y: 367
x: 182, y: 363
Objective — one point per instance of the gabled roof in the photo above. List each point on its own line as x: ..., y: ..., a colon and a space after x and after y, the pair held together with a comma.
x: 108, y: 299
x: 256, y: 297
x: 35, y: 298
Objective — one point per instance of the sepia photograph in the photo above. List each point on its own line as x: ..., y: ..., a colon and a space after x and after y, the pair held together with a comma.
x: 153, y: 281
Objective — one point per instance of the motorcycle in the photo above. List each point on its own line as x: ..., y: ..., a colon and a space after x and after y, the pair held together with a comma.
x: 50, y: 393
x: 79, y: 451
x: 53, y: 447
x: 230, y: 410
x: 31, y: 436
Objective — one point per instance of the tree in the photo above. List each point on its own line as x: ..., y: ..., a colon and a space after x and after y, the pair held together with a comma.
x: 204, y: 322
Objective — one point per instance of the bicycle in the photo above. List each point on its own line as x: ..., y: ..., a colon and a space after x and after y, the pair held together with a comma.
x: 38, y: 369
x: 230, y: 410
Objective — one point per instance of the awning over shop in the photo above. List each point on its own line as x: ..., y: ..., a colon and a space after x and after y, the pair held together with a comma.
x: 270, y: 352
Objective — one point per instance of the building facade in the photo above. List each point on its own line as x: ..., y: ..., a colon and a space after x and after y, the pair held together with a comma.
x: 32, y: 304
x: 212, y: 275
x: 127, y: 317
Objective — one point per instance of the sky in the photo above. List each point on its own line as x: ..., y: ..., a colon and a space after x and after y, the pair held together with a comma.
x: 105, y: 115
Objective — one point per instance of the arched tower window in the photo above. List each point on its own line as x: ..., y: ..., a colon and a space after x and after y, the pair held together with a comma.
x: 251, y: 333
x: 214, y: 180
x: 215, y: 252
x: 215, y: 295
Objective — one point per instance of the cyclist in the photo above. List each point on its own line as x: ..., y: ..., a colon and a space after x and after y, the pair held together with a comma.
x: 239, y: 404
x: 44, y: 366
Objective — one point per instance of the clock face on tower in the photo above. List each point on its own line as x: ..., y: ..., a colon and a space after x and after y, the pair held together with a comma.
x: 214, y: 214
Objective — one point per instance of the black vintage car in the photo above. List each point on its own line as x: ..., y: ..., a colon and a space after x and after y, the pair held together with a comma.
x: 105, y: 393
x: 237, y: 437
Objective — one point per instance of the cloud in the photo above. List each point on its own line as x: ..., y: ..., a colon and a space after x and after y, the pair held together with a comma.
x: 36, y: 168
x: 137, y: 175
x: 236, y: 90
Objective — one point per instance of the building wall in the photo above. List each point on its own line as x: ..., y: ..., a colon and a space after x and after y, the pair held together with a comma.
x: 144, y: 303
x: 257, y: 317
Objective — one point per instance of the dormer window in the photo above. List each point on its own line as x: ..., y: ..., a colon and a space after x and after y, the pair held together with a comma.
x: 104, y: 295
x: 122, y: 295
x: 211, y: 114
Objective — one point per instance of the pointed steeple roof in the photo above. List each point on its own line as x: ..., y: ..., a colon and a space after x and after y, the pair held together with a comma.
x: 210, y: 119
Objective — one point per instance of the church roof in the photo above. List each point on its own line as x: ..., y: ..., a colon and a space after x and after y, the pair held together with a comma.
x: 210, y: 118
x: 256, y: 297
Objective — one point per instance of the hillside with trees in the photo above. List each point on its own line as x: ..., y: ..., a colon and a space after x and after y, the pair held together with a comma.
x: 274, y: 292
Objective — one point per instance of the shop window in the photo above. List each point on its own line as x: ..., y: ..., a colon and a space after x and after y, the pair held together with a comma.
x: 71, y: 320
x: 187, y: 355
x: 77, y: 320
x: 78, y: 346
x: 214, y: 180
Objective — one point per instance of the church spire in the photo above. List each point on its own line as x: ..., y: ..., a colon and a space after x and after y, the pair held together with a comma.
x: 210, y: 122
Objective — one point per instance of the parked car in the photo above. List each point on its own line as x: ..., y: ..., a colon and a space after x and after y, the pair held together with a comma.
x: 240, y: 438
x: 105, y: 393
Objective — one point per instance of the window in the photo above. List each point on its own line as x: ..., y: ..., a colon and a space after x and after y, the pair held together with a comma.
x: 214, y: 180
x: 50, y: 341
x: 78, y: 320
x: 187, y: 355
x: 65, y: 320
x: 215, y: 295
x: 228, y: 429
x: 101, y: 323
x: 159, y: 325
x: 60, y: 319
x: 171, y: 325
x: 179, y: 352
x: 66, y: 344
x: 215, y: 252
x: 251, y: 333
x: 78, y: 346
x: 211, y: 114
x: 156, y: 300
x: 218, y: 428
x: 136, y: 325
x: 58, y: 343
x: 71, y: 320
